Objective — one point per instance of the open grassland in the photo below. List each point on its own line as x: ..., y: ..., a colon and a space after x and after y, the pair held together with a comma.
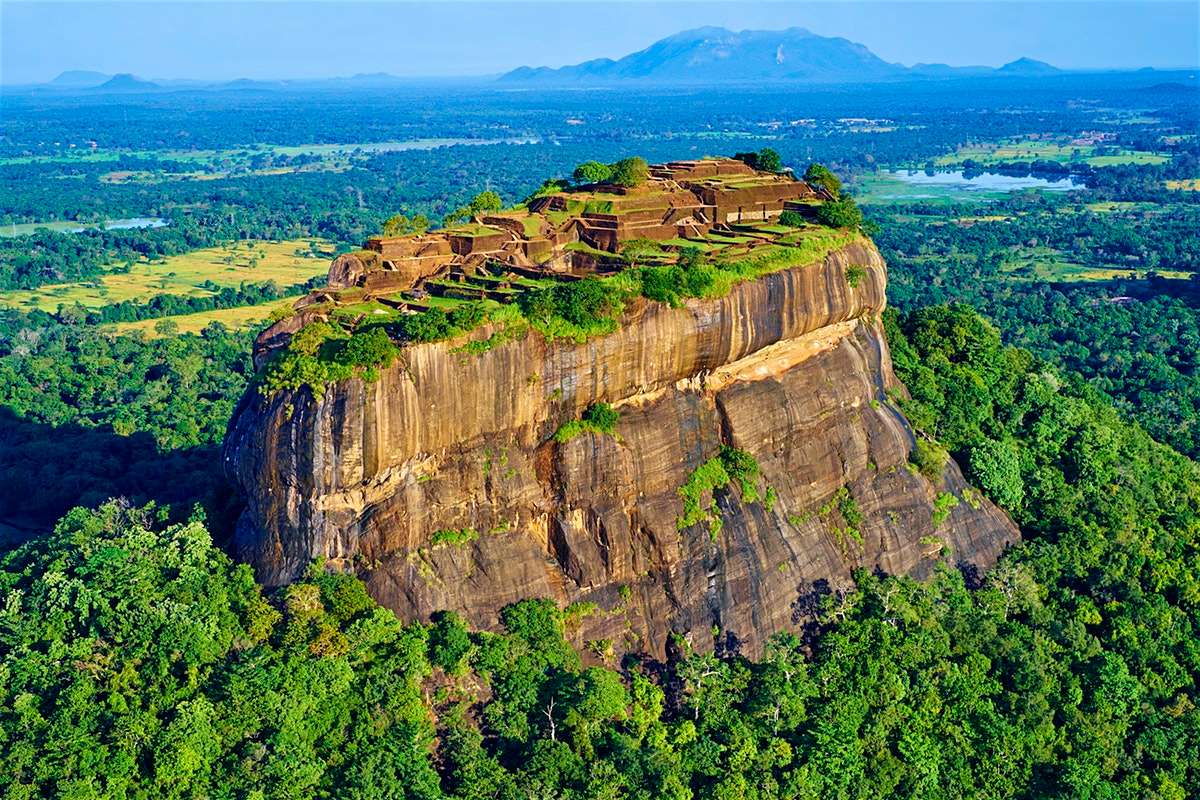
x: 976, y: 218
x: 146, y: 176
x: 287, y: 263
x: 1186, y: 185
x: 1117, y: 207
x: 1048, y: 264
x: 1041, y: 150
x: 28, y: 228
x: 208, y: 162
x: 233, y: 318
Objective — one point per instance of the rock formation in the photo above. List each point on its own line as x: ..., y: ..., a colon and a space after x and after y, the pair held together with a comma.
x: 441, y: 483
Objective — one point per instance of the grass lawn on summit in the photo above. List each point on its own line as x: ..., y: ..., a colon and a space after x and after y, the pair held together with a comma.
x: 287, y: 263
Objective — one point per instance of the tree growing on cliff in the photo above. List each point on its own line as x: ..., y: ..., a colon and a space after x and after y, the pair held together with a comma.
x: 484, y: 202
x: 372, y: 349
x: 480, y: 204
x: 639, y: 251
x: 765, y: 160
x: 588, y: 304
x: 769, y: 160
x: 821, y: 175
x: 842, y: 213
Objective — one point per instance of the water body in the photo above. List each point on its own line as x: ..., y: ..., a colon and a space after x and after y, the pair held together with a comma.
x: 134, y: 222
x: 25, y: 229
x: 985, y: 182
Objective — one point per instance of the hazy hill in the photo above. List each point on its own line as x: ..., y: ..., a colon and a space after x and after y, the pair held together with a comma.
x: 79, y: 79
x: 715, y: 55
x: 127, y: 83
x: 1028, y: 66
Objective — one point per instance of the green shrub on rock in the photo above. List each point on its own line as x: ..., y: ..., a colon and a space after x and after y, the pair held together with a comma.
x: 597, y: 418
x: 843, y: 213
x: 321, y: 353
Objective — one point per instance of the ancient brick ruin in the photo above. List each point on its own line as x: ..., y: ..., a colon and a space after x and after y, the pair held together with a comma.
x: 680, y: 200
x: 715, y: 203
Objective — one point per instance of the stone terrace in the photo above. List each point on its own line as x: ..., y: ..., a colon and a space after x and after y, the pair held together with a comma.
x: 718, y: 204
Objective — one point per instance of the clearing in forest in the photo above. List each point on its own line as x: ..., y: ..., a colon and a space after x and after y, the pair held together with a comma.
x: 250, y: 261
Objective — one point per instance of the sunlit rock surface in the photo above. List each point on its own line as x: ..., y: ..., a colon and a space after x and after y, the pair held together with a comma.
x: 792, y: 368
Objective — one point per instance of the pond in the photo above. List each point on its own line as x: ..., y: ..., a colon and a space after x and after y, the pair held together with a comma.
x: 134, y: 222
x: 24, y: 229
x: 983, y: 182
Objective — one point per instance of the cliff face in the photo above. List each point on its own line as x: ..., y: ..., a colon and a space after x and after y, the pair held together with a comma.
x: 791, y: 368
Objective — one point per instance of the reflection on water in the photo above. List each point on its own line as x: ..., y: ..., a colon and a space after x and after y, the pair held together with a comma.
x: 60, y: 226
x: 132, y: 222
x: 982, y: 182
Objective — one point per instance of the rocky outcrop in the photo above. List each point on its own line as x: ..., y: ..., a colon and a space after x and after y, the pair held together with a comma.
x: 791, y: 368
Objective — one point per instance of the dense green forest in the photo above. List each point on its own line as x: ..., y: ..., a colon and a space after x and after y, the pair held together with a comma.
x: 86, y: 415
x: 1048, y: 342
x: 138, y: 661
x: 1134, y: 335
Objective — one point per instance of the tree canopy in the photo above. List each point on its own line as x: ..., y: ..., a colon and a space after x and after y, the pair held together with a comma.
x: 1067, y: 671
x: 630, y: 172
x: 820, y: 175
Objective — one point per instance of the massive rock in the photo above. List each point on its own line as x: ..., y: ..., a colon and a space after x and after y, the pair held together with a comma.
x: 792, y: 368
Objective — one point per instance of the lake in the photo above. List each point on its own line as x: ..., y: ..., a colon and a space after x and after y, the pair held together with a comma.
x: 27, y: 228
x: 985, y: 182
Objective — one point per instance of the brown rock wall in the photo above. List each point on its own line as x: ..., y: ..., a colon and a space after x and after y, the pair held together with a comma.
x: 791, y: 368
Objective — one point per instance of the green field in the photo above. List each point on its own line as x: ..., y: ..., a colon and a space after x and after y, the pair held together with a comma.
x: 1048, y: 264
x: 62, y: 226
x: 1187, y: 185
x: 238, y: 155
x: 286, y: 263
x: 234, y: 318
x: 26, y: 228
x: 1042, y: 150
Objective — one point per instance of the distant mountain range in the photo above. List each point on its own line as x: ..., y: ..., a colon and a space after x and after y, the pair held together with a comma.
x: 89, y: 82
x: 716, y: 55
x: 704, y: 56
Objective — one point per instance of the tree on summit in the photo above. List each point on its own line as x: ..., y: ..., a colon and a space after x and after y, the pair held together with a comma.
x: 630, y: 172
x: 769, y: 160
x: 592, y: 172
x: 821, y: 175
x: 765, y: 160
x: 485, y: 201
x: 401, y: 225
x: 480, y: 203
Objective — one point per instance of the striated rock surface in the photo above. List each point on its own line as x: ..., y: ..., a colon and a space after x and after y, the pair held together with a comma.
x: 792, y: 368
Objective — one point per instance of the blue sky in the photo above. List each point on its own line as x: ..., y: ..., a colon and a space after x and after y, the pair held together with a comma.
x: 215, y: 40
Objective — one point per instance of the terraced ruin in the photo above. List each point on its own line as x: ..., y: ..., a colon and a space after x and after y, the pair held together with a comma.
x: 720, y: 207
x: 672, y: 402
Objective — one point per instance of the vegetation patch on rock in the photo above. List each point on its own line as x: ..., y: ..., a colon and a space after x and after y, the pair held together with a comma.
x: 597, y: 418
x: 698, y: 491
